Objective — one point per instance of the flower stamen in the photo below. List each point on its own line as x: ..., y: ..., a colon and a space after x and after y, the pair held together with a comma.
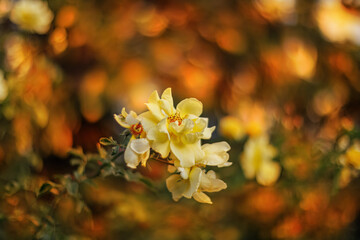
x: 175, y: 118
x: 136, y: 129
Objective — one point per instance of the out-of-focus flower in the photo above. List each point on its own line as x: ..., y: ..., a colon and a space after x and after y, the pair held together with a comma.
x: 256, y: 161
x: 138, y: 150
x: 32, y: 15
x: 179, y: 130
x: 301, y: 57
x: 346, y: 175
x: 5, y: 7
x: 276, y: 9
x: 352, y: 156
x: 196, y: 183
x: 337, y: 23
x: 329, y: 100
x: 232, y: 128
x: 251, y: 118
x: 150, y: 23
x: 3, y: 87
x: 216, y: 154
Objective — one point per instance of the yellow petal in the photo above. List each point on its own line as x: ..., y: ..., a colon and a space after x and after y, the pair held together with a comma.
x: 131, y: 158
x: 247, y: 165
x: 153, y: 105
x: 155, y: 110
x: 177, y: 186
x: 120, y: 118
x: 187, y: 154
x: 268, y: 173
x: 166, y: 108
x: 166, y: 102
x: 168, y: 96
x: 194, y: 179
x: 185, y: 127
x: 140, y: 146
x: 190, y: 106
x: 154, y: 97
x: 209, y: 182
x: 131, y: 118
x: 202, y: 197
x: 148, y: 120
x: 216, y: 153
x: 184, y: 153
x: 144, y: 157
x: 123, y: 112
x: 159, y: 142
x: 208, y: 132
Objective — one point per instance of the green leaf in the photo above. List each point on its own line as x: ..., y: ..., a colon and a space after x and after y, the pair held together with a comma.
x: 72, y: 187
x: 107, y: 141
x: 12, y: 187
x: 77, y: 152
x: 46, y: 187
x: 75, y: 161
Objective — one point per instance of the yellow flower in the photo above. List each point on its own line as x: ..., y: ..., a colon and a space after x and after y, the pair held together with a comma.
x: 178, y: 130
x: 3, y: 87
x: 208, y: 183
x: 138, y: 150
x: 130, y: 121
x: 215, y: 154
x: 232, y: 128
x: 256, y: 161
x: 32, y: 15
x: 352, y: 156
x: 180, y: 187
x: 194, y: 185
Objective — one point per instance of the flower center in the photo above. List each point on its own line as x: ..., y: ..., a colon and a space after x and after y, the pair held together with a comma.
x: 175, y: 118
x: 136, y: 129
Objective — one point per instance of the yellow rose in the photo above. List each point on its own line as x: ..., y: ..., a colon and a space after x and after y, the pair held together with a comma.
x: 178, y: 130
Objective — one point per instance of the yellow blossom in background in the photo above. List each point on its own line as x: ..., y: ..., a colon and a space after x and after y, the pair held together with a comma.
x: 5, y: 6
x: 351, y: 163
x: 179, y: 130
x: 232, y: 128
x: 3, y: 87
x: 337, y: 23
x: 352, y: 156
x: 32, y: 16
x: 256, y: 161
x: 276, y: 9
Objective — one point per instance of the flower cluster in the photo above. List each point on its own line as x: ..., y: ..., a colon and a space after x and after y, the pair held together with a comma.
x: 174, y: 135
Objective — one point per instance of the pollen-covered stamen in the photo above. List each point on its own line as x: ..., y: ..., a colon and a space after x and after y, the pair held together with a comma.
x: 136, y: 129
x: 175, y: 118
